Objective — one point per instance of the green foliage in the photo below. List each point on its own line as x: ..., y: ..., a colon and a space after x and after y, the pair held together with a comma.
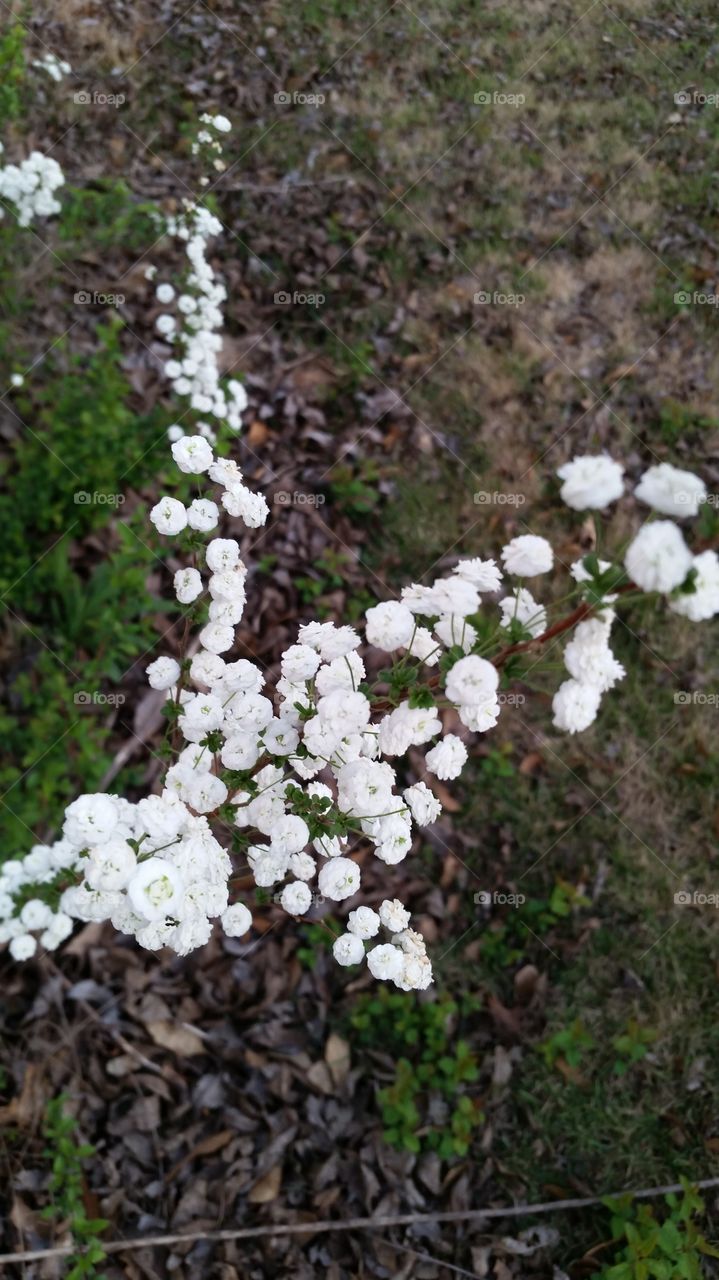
x: 66, y: 1189
x: 56, y: 479
x: 632, y: 1045
x: 507, y: 938
x: 355, y: 487
x: 317, y: 938
x: 432, y: 1070
x: 71, y: 627
x: 569, y: 1043
x: 12, y: 72
x: 654, y: 1249
x: 106, y: 214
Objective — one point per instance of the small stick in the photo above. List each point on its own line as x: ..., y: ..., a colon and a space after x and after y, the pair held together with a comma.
x: 356, y: 1224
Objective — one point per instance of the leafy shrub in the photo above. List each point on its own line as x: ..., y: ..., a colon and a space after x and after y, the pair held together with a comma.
x: 668, y: 1249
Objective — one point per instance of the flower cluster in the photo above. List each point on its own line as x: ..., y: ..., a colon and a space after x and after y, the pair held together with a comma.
x: 196, y: 319
x: 303, y: 774
x: 31, y: 187
x: 298, y: 776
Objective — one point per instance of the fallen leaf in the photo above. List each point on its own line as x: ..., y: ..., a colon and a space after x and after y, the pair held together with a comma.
x: 25, y: 1108
x: 337, y: 1057
x: 177, y: 1038
x: 267, y: 1188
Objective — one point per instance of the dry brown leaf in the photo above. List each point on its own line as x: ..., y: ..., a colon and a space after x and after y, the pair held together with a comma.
x: 337, y: 1057
x: 267, y: 1188
x: 25, y: 1108
x: 177, y: 1038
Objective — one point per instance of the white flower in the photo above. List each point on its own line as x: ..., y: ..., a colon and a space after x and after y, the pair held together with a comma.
x: 156, y: 890
x: 591, y: 482
x: 202, y: 514
x: 407, y: 726
x: 192, y: 454
x: 289, y: 834
x: 236, y: 920
x: 165, y: 325
x: 394, y: 915
x: 670, y: 490
x: 480, y: 716
x: 163, y: 673
x: 221, y: 123
x: 703, y: 601
x: 658, y: 559
x: 222, y: 554
x: 188, y: 585
x: 348, y: 949
x: 424, y: 646
x: 453, y: 630
x: 363, y: 922
x: 385, y: 962
x: 206, y: 792
x: 217, y: 638
x: 471, y: 680
x: 528, y: 555
x: 90, y: 820
x: 339, y: 878
x: 169, y: 516
x: 393, y: 835
x: 22, y: 947
x: 485, y: 575
x: 424, y: 806
x: 161, y: 818
x: 448, y: 758
x: 36, y: 914
x: 580, y: 574
x: 575, y: 706
x: 296, y: 898
x: 299, y: 663
x: 246, y: 505
x: 302, y: 865
x: 589, y: 659
x: 522, y: 606
x: 389, y: 625
x: 329, y: 641
x: 164, y: 293
x: 109, y: 866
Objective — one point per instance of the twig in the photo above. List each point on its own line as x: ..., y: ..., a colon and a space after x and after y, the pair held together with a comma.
x: 356, y: 1224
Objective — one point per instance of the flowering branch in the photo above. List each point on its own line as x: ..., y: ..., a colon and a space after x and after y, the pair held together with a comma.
x: 293, y: 772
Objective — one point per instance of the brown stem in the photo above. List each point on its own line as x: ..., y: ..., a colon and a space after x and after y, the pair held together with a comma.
x: 582, y: 611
